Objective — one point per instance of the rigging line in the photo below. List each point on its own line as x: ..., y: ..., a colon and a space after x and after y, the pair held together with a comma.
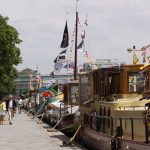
x: 85, y: 24
x: 86, y: 54
x: 72, y: 44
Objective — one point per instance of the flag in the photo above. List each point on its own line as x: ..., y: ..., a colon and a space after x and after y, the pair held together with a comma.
x: 63, y: 52
x: 65, y: 40
x: 37, y: 78
x: 69, y: 65
x: 52, y: 74
x: 49, y: 91
x: 80, y: 46
x: 85, y: 22
x: 59, y: 56
x: 83, y: 34
x: 88, y: 57
x: 135, y: 59
x: 58, y: 65
x: 54, y: 89
x: 55, y: 59
x: 59, y: 60
x: 144, y: 50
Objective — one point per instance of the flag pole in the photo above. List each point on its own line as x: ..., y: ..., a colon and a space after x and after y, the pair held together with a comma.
x: 76, y: 34
x: 68, y: 66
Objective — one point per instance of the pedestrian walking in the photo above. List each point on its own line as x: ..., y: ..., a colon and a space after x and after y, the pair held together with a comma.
x: 10, y: 106
x: 3, y: 109
x: 20, y: 104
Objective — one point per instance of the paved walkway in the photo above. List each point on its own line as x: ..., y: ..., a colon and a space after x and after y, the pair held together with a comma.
x: 26, y: 134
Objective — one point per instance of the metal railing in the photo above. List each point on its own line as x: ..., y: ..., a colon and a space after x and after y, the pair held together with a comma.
x: 100, y: 123
x: 133, y: 107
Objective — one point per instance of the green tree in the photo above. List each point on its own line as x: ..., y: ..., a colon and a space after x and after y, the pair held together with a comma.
x: 9, y: 55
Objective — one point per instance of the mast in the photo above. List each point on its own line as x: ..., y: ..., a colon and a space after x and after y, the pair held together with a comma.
x: 76, y: 35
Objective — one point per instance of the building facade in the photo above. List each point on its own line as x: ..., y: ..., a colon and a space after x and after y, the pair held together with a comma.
x: 26, y: 80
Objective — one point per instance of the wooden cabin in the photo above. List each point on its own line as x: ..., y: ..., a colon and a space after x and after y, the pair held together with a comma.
x: 71, y: 93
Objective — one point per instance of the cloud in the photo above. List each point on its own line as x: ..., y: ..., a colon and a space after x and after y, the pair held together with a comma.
x: 113, y: 26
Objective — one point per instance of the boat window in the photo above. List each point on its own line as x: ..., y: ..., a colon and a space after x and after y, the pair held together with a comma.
x: 104, y: 120
x: 96, y: 83
x: 109, y: 115
x: 114, y: 81
x: 85, y: 89
x: 144, y: 81
x: 74, y: 94
x: 104, y: 113
x: 100, y: 111
x: 135, y: 80
x: 65, y: 91
x: 102, y: 85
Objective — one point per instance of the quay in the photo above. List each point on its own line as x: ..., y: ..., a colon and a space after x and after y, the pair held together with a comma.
x: 27, y: 134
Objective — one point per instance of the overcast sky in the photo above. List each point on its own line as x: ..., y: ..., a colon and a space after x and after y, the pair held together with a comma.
x: 113, y: 26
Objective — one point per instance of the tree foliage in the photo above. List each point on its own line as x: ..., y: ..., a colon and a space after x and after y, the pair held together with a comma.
x: 10, y: 55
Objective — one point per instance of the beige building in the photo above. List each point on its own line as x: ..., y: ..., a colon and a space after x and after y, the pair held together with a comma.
x: 25, y: 81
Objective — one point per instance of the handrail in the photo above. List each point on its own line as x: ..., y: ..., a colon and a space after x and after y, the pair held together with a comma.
x: 118, y: 118
x: 100, y: 121
x: 124, y: 107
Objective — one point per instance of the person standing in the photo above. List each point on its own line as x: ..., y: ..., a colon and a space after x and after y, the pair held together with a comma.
x: 10, y: 106
x: 4, y: 109
x: 20, y: 104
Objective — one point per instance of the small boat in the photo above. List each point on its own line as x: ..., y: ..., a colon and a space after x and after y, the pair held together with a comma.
x: 64, y: 107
